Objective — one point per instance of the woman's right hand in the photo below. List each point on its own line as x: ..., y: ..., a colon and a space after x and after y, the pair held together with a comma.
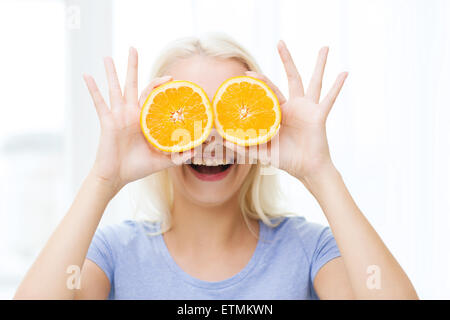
x: 123, y: 154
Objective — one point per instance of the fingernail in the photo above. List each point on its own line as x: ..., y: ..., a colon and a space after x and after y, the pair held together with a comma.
x: 165, y: 78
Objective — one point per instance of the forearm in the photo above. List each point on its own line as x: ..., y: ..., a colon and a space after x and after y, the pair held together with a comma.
x: 360, y: 245
x: 68, y: 244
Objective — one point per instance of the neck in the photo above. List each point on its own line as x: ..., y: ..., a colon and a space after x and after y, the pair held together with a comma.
x: 208, y: 227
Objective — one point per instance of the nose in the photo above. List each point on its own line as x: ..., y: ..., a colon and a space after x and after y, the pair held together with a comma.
x: 213, y: 149
x: 213, y: 138
x: 213, y: 146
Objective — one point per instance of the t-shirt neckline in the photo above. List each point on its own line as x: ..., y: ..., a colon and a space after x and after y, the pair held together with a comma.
x: 216, y: 284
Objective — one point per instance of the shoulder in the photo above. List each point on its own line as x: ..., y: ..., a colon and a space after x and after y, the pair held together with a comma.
x: 296, y: 226
x: 126, y: 232
x: 297, y: 231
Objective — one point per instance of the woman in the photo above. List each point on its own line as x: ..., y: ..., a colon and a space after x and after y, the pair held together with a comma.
x: 224, y: 236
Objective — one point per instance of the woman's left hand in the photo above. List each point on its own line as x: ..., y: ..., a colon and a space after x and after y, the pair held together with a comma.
x: 301, y: 143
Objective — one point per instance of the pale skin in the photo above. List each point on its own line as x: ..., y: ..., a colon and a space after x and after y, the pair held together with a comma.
x: 226, y: 243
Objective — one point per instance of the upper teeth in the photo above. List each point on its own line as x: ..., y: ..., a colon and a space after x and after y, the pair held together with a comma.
x: 211, y: 162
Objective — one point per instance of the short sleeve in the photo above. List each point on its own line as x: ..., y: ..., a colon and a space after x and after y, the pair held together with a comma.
x: 326, y: 250
x: 101, y: 254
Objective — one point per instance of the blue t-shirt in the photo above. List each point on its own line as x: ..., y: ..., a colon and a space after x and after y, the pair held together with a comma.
x: 283, y: 266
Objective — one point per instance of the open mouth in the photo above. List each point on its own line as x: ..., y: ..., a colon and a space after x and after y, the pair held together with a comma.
x: 204, y: 169
x: 210, y: 172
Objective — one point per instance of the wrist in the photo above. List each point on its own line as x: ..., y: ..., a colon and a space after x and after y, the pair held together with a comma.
x: 106, y: 187
x: 320, y: 178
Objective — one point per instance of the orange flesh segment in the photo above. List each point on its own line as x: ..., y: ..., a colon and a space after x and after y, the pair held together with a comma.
x: 245, y: 111
x: 176, y: 108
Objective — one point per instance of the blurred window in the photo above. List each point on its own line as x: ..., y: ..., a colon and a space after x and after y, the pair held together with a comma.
x: 32, y: 64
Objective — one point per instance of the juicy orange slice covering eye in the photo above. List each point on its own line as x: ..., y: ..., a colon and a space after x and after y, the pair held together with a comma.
x: 176, y: 116
x: 246, y: 111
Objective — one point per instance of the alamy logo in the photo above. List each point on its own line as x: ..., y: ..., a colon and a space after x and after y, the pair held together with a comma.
x: 374, y: 279
x: 74, y: 280
x: 73, y: 17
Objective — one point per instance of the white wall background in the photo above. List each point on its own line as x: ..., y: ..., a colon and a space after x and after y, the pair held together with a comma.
x: 388, y: 130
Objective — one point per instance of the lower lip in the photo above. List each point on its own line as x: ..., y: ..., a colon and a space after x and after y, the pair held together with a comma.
x: 210, y: 177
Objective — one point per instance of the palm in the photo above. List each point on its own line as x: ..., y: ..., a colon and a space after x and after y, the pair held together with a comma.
x: 123, y: 154
x: 136, y: 159
x: 128, y: 154
x: 302, y: 130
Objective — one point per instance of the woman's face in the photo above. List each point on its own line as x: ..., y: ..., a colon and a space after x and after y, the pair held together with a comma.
x: 208, y: 184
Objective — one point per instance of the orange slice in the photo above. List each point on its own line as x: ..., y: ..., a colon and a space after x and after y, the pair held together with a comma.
x: 176, y: 116
x: 246, y: 111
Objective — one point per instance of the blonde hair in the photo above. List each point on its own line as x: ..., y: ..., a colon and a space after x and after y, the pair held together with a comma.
x: 260, y: 195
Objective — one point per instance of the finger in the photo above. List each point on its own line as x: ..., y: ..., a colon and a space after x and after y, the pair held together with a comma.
x: 131, y: 83
x: 294, y: 79
x: 275, y: 89
x: 179, y: 158
x: 115, y: 93
x: 328, y: 101
x: 152, y: 85
x: 99, y: 102
x: 187, y: 155
x: 315, y: 86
